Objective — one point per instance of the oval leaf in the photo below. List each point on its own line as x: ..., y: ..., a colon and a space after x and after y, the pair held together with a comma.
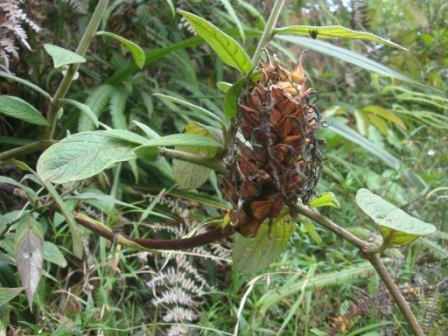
x: 229, y: 50
x: 398, y: 228
x: 251, y: 255
x: 20, y: 109
x: 137, y: 53
x: 332, y: 32
x: 29, y: 261
x: 51, y: 253
x: 62, y: 56
x: 189, y: 175
x: 83, y: 155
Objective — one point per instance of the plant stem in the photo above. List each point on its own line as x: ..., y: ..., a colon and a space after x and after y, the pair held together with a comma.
x: 197, y: 159
x: 267, y: 33
x: 208, y: 237
x: 30, y: 148
x: 384, y: 274
x: 62, y: 90
x: 367, y: 252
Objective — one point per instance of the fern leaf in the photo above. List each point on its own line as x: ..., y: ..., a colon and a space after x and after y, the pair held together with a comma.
x: 97, y: 100
x: 117, y: 108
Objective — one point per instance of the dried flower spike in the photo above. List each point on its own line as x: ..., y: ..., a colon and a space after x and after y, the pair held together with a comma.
x: 279, y: 162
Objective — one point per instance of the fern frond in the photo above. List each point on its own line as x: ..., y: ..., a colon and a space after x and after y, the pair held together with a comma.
x: 362, y: 270
x: 97, y: 101
x: 433, y: 247
x: 117, y: 107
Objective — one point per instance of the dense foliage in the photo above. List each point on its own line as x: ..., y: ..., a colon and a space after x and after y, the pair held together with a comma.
x: 385, y: 133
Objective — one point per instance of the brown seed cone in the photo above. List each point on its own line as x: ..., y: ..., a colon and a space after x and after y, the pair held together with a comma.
x: 280, y: 161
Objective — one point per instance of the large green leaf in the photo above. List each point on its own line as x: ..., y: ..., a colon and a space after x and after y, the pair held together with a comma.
x: 346, y: 55
x: 332, y: 32
x: 189, y: 175
x: 398, y: 228
x: 230, y: 52
x: 62, y: 56
x: 251, y: 255
x: 137, y: 52
x: 83, y: 155
x: 20, y: 109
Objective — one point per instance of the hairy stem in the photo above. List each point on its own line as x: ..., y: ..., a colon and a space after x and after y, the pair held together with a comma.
x: 368, y: 251
x: 30, y: 148
x: 62, y: 90
x: 267, y: 33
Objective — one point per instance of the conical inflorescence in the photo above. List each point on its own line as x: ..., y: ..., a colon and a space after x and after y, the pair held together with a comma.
x: 279, y: 162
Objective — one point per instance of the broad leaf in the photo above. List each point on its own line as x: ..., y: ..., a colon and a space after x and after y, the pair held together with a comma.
x: 398, y: 228
x: 332, y: 32
x: 137, y: 53
x: 83, y: 155
x: 28, y: 250
x: 62, y: 56
x: 230, y: 52
x: 7, y: 294
x: 20, y: 109
x: 326, y: 199
x: 189, y: 175
x: 347, y: 55
x: 251, y: 255
x: 85, y: 109
x: 51, y: 253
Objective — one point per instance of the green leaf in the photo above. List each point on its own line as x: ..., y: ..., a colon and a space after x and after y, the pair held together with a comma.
x: 127, y: 136
x: 28, y: 250
x: 398, y: 228
x: 20, y: 109
x: 232, y: 95
x: 137, y: 53
x: 357, y: 138
x: 97, y: 100
x: 192, y: 107
x: 189, y: 175
x: 332, y: 32
x: 27, y: 83
x: 117, y: 107
x: 83, y: 155
x: 230, y: 52
x: 29, y: 192
x: 326, y: 199
x: 362, y: 122
x: 385, y: 114
x: 62, y: 56
x: 224, y: 86
x: 85, y: 109
x: 251, y: 255
x: 347, y: 56
x: 311, y: 229
x: 51, y: 253
x: 184, y: 140
x: 7, y: 294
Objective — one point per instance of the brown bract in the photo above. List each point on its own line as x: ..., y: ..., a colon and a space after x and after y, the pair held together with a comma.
x: 279, y: 161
